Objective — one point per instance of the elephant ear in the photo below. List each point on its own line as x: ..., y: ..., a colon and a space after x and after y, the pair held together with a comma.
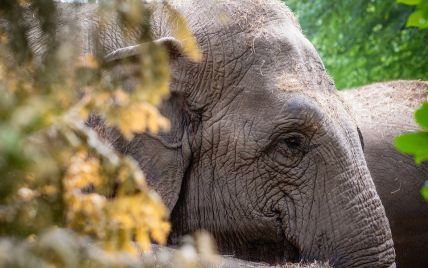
x: 164, y: 157
x: 124, y: 66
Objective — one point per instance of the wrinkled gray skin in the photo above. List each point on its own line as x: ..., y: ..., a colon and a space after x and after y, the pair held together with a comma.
x: 383, y: 111
x: 262, y: 153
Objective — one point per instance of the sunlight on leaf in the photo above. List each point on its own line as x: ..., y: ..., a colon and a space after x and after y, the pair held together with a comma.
x: 183, y: 34
x: 417, y: 19
x: 424, y: 191
x: 415, y: 144
x: 409, y: 2
x: 421, y: 116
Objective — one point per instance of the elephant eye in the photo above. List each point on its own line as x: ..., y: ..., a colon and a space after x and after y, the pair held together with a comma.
x: 293, y: 142
x: 288, y: 149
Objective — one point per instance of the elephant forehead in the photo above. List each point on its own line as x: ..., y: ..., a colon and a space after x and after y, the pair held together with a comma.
x: 228, y: 28
x: 279, y: 50
x: 244, y: 12
x: 224, y: 18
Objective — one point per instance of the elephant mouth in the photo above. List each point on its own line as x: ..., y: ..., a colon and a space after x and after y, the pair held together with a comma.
x: 272, y: 247
x: 291, y: 253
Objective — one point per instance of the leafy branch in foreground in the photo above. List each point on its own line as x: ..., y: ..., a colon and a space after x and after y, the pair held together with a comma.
x: 55, y: 170
x: 416, y: 143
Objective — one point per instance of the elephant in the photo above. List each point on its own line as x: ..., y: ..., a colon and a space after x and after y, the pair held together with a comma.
x: 384, y: 111
x: 263, y: 153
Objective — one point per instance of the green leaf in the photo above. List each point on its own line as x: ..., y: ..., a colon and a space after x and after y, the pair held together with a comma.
x: 409, y: 2
x: 421, y: 116
x: 424, y: 191
x: 417, y: 19
x: 415, y: 144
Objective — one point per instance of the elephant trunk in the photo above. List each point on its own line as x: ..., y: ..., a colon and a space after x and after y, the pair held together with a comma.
x: 350, y: 228
x: 365, y: 240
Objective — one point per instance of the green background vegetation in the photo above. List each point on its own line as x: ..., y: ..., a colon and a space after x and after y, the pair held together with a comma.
x: 366, y: 41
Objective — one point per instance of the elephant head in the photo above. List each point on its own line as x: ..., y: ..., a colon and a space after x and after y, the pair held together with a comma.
x: 262, y: 152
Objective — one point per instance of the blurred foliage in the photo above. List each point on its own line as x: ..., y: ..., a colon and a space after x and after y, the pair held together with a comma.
x: 365, y: 41
x: 56, y: 172
x: 416, y: 143
x: 57, y: 247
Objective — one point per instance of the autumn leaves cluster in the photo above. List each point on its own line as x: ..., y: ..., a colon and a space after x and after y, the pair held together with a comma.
x: 56, y: 172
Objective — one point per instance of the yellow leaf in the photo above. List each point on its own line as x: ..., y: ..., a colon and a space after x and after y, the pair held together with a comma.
x: 49, y: 190
x: 89, y: 61
x: 121, y: 97
x: 160, y: 233
x: 130, y: 248
x: 143, y: 239
x: 183, y: 34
